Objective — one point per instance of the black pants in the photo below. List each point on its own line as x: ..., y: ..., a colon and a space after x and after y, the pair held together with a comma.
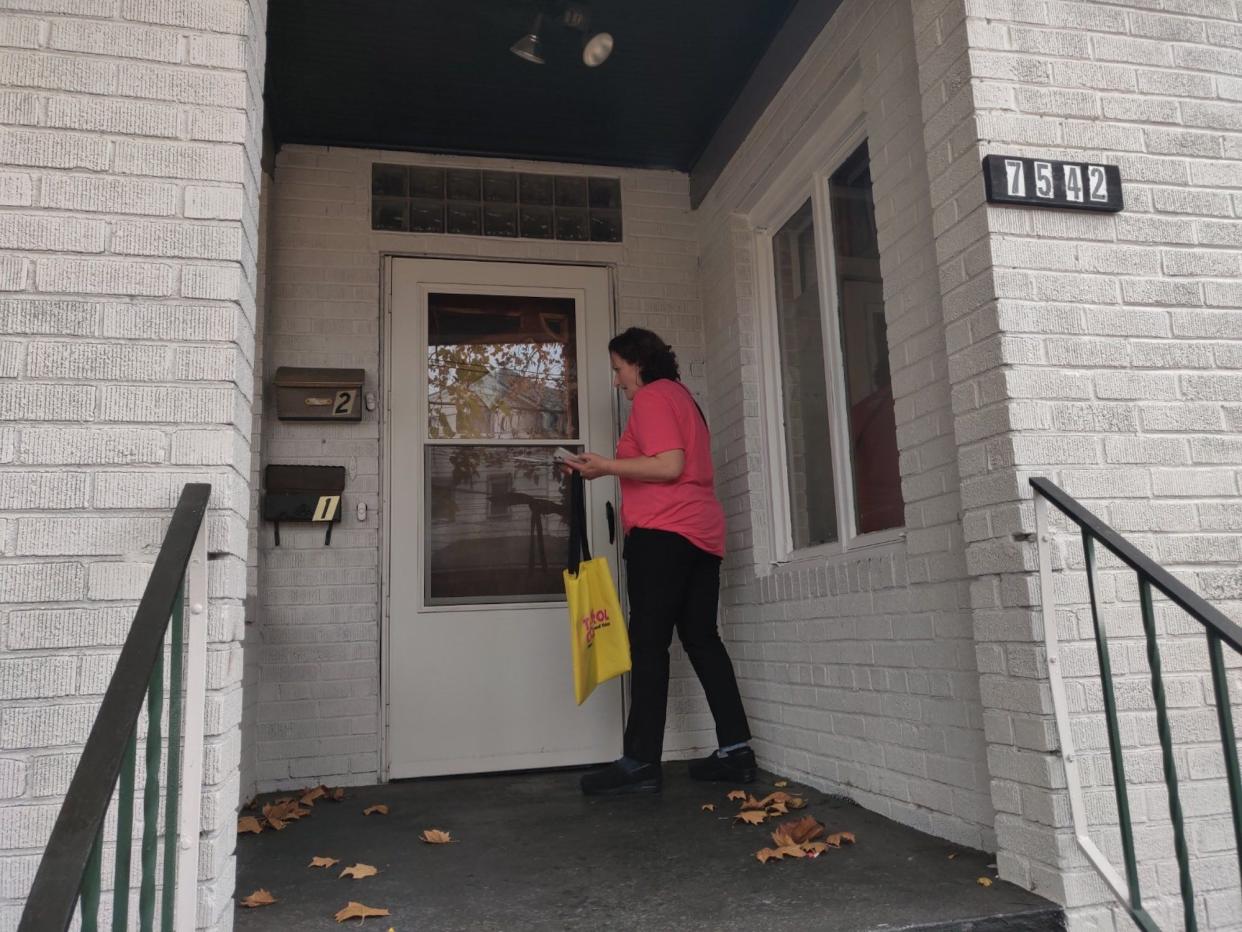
x: 674, y: 584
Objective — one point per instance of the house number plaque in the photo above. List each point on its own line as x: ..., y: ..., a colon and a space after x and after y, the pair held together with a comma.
x: 1014, y: 179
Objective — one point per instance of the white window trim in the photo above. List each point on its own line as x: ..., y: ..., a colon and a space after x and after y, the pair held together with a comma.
x: 806, y: 176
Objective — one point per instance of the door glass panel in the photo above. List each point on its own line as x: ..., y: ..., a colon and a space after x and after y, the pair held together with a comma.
x: 496, y: 524
x: 812, y: 501
x: 501, y: 367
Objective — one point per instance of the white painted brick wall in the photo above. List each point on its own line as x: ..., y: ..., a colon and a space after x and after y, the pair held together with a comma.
x: 1100, y: 351
x: 318, y: 644
x: 128, y: 205
x: 858, y: 670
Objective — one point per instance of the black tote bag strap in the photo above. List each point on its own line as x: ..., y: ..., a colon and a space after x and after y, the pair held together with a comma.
x: 579, y: 548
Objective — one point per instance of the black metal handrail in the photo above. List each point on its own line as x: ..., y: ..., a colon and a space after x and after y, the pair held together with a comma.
x: 108, y: 754
x: 1218, y: 629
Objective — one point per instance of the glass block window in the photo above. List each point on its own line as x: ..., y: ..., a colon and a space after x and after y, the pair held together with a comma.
x: 470, y: 202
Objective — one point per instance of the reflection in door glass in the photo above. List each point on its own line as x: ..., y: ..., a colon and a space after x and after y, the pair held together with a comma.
x: 496, y: 524
x: 501, y: 367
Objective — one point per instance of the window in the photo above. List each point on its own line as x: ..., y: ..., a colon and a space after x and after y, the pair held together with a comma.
x: 838, y: 467
x: 471, y: 202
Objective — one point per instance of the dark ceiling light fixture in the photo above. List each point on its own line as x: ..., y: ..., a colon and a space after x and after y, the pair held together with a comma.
x: 530, y: 45
x: 596, y: 47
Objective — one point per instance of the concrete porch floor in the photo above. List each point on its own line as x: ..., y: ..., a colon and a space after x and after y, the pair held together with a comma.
x: 532, y: 853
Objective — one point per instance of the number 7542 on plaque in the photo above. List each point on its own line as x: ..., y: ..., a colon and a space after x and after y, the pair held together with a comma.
x: 1014, y: 179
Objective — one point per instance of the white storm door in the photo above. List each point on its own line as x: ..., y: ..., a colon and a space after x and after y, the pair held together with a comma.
x: 491, y: 366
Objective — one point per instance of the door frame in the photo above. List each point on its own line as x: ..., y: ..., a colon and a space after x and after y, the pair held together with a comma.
x: 384, y: 406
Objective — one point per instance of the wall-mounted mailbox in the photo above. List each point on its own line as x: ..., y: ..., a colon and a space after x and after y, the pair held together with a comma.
x: 303, y: 493
x: 318, y: 394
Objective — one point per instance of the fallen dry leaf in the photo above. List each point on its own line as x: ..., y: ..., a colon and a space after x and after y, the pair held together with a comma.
x: 799, y: 831
x: 378, y: 807
x: 837, y: 839
x: 792, y: 851
x: 354, y: 910
x: 814, y: 849
x: 708, y: 807
x: 779, y: 783
x: 751, y: 817
x: 737, y: 794
x: 282, y: 811
x: 359, y: 871
x: 796, y: 802
x: 309, y: 797
x: 258, y: 898
x: 777, y: 809
x: 337, y: 794
x: 434, y: 836
x: 251, y: 803
x: 323, y: 862
x: 984, y: 882
x: 751, y: 803
x: 249, y: 824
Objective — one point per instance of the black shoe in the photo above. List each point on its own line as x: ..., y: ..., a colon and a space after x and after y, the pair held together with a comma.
x: 737, y: 766
x: 623, y: 777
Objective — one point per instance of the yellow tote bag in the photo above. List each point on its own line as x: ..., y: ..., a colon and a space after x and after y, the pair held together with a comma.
x: 601, y: 646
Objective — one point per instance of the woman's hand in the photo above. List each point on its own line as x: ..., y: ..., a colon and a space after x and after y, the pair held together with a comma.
x: 663, y: 467
x: 591, y: 465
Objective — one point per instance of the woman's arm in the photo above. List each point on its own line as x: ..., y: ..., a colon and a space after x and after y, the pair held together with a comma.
x: 663, y: 467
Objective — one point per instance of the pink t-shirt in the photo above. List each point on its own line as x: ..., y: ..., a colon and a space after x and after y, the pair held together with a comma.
x: 665, y: 417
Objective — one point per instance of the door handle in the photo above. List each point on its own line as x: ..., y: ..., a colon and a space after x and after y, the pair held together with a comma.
x: 610, y: 514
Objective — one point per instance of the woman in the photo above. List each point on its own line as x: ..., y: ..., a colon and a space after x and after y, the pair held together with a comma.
x: 674, y: 542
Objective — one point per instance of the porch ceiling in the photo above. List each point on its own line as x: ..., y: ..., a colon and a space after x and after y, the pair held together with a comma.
x: 437, y: 76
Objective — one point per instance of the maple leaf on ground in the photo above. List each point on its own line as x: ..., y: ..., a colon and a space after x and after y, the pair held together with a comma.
x: 751, y: 817
x: 814, y: 849
x: 353, y: 910
x: 282, y: 811
x: 796, y: 802
x: 777, y: 809
x: 378, y: 807
x: 708, y: 807
x: 337, y: 794
x: 323, y: 862
x: 792, y: 851
x: 798, y: 832
x: 780, y: 783
x: 751, y: 803
x: 309, y: 797
x: 258, y: 898
x: 359, y: 871
x: 837, y: 839
x: 737, y: 794
x: 984, y: 882
x: 434, y: 836
x: 249, y: 824
x: 777, y: 797
x: 768, y: 854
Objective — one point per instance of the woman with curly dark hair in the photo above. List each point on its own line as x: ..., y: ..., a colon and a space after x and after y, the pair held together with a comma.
x: 674, y: 542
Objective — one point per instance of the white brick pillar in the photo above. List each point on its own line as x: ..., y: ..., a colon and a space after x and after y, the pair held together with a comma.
x: 1102, y: 351
x: 130, y: 135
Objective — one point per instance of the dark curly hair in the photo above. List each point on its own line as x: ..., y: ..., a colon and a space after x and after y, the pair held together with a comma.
x: 655, y: 358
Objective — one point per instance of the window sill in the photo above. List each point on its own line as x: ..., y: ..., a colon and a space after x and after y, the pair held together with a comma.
x: 876, y: 540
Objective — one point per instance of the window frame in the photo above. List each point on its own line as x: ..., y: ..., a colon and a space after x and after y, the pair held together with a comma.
x: 807, y: 178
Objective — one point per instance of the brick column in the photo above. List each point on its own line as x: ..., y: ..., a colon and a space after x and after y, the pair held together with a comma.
x: 1101, y: 351
x: 129, y: 166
